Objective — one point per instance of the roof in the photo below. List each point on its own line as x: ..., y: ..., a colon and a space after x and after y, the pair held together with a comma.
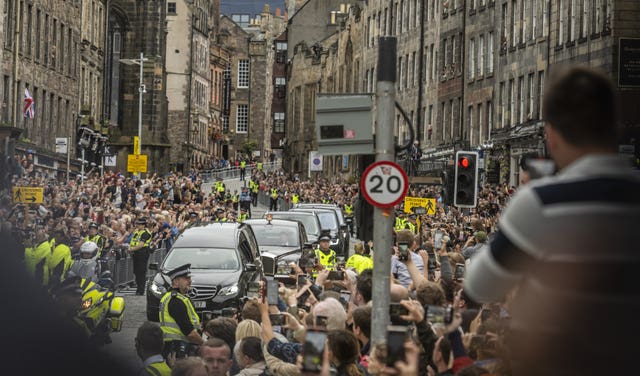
x: 217, y: 234
x: 252, y: 7
x: 276, y: 222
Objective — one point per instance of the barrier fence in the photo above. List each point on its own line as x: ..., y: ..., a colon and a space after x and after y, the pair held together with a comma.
x: 234, y: 172
x: 265, y: 199
x: 122, y: 269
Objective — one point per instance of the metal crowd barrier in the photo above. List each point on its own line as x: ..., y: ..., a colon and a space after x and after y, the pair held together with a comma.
x: 122, y: 269
x: 265, y: 199
x: 234, y: 172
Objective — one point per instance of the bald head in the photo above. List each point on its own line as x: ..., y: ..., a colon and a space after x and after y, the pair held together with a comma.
x: 398, y: 293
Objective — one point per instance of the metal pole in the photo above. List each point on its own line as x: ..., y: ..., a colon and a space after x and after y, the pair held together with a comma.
x: 82, y: 168
x: 16, y: 44
x: 383, y: 219
x: 68, y: 158
x: 140, y: 90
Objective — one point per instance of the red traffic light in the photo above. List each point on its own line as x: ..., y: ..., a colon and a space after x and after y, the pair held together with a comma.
x: 463, y: 162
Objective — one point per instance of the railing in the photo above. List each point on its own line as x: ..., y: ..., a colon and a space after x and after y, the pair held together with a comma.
x: 234, y: 172
x: 122, y: 269
x: 265, y: 199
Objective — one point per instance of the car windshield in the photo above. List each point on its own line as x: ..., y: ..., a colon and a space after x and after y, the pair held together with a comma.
x: 268, y: 235
x: 203, y: 258
x: 328, y: 220
x: 310, y: 225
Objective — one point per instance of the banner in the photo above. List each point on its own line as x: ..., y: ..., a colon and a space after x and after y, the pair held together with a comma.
x: 315, y: 161
x: 61, y: 145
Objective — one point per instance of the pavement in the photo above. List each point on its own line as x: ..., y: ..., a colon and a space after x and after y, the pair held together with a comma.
x: 123, y: 345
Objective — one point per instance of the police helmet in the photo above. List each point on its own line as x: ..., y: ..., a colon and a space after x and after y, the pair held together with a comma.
x: 88, y: 248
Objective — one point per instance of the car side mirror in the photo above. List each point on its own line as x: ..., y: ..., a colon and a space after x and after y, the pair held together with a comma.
x: 153, y: 266
x: 251, y: 267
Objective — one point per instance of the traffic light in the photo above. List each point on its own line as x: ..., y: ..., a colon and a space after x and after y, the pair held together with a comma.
x: 466, y: 179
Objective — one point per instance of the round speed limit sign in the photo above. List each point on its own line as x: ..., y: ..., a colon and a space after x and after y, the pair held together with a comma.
x: 384, y: 184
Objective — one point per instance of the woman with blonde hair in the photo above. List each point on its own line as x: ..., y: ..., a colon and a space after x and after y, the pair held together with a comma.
x: 248, y: 328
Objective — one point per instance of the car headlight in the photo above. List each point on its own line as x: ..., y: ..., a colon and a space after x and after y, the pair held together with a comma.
x: 283, y: 267
x: 86, y: 304
x: 157, y: 290
x: 229, y: 290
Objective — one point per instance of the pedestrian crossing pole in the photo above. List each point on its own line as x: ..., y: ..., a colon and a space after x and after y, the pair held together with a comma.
x: 383, y: 218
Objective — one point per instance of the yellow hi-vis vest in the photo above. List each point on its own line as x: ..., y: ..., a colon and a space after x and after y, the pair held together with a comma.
x: 36, y: 261
x: 158, y: 369
x: 136, y: 238
x: 170, y: 329
x: 412, y: 227
x: 348, y: 210
x: 259, y: 165
x: 295, y: 198
x: 59, y: 263
x: 274, y: 193
x: 243, y: 164
x: 328, y: 260
x: 359, y: 263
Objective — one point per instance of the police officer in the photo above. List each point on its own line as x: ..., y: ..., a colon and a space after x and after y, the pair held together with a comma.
x: 149, y: 342
x: 411, y: 223
x: 325, y: 255
x: 36, y: 256
x: 273, y: 205
x: 243, y: 168
x: 220, y: 216
x: 255, y: 188
x: 243, y: 215
x: 60, y: 260
x: 245, y: 200
x: 178, y: 318
x: 140, y: 247
x: 234, y: 199
x: 295, y: 198
x: 348, y: 213
x: 96, y: 238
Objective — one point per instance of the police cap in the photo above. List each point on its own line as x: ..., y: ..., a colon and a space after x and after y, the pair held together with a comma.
x: 180, y: 271
x: 93, y: 225
x: 141, y: 221
x: 324, y: 237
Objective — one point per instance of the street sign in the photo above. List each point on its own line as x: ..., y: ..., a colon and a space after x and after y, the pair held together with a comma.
x: 137, y: 163
x: 384, y: 184
x: 136, y: 146
x: 61, y: 145
x: 107, y: 150
x: 110, y: 160
x: 412, y: 204
x: 28, y: 195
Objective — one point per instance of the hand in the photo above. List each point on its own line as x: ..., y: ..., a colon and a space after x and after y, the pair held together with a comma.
x: 455, y: 323
x: 323, y: 275
x: 425, y: 256
x: 292, y: 322
x: 416, y: 311
x: 171, y: 359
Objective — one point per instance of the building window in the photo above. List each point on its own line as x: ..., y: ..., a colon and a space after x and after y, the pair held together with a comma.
x: 540, y: 93
x: 243, y: 73
x: 534, y: 18
x: 480, y: 55
x: 584, y: 25
x: 281, y: 81
x: 521, y: 95
x: 545, y: 19
x: 472, y: 58
x: 514, y: 7
x: 241, y: 19
x: 489, y: 119
x: 560, y: 22
x: 511, y: 105
x: 572, y: 20
x: 281, y: 46
x: 242, y: 118
x: 504, y: 39
x: 278, y: 122
x: 501, y: 104
x: 225, y: 123
x: 481, y: 130
x: 442, y: 124
x: 171, y: 7
x: 490, y: 52
x: 523, y: 22
x: 410, y: 69
x: 530, y: 105
x: 470, y: 125
x: 400, y: 66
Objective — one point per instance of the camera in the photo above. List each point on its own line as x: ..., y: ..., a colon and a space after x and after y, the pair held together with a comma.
x: 278, y: 319
x: 184, y: 349
x: 396, y: 337
x: 440, y: 315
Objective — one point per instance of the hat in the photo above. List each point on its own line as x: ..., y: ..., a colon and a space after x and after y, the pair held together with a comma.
x: 166, y: 225
x: 480, y: 236
x: 141, y: 221
x: 180, y: 271
x: 219, y: 210
x: 193, y: 214
x: 413, y: 216
x: 93, y: 225
x: 324, y: 237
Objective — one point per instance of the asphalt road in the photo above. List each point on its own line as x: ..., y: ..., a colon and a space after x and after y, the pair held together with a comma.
x: 123, y: 345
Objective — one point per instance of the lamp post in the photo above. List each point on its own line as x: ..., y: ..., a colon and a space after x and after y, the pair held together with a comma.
x: 141, y: 90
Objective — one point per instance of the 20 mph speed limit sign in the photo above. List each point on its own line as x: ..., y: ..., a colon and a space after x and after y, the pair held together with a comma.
x: 384, y: 184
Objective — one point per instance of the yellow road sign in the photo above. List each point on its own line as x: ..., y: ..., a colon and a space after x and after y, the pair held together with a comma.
x: 137, y: 163
x: 28, y: 195
x: 136, y: 145
x: 428, y: 203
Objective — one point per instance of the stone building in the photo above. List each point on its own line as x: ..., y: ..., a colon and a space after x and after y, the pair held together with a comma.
x: 278, y: 103
x: 92, y: 36
x: 219, y: 65
x: 188, y: 81
x: 48, y: 67
x: 251, y: 82
x: 136, y: 27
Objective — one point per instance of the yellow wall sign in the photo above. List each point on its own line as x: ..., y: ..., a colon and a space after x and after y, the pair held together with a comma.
x: 136, y: 145
x: 136, y: 163
x: 428, y: 203
x: 28, y: 195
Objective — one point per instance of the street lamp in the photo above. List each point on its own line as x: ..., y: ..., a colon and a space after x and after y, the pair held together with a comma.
x: 141, y: 90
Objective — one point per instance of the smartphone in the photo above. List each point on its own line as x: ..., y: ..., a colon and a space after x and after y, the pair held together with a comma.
x: 345, y: 295
x: 313, y: 349
x: 403, y: 251
x: 302, y: 281
x: 253, y: 290
x: 336, y: 275
x: 459, y: 272
x: 477, y: 340
x: 397, y: 309
x: 321, y: 321
x: 432, y: 263
x: 180, y: 348
x: 278, y: 319
x: 396, y: 337
x: 437, y: 239
x: 272, y: 292
x: 439, y: 315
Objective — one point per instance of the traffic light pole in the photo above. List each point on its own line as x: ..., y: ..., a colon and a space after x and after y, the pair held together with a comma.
x: 383, y: 219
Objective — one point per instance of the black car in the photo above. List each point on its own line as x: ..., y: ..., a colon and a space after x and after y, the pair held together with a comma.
x: 329, y: 221
x: 281, y: 242
x: 224, y: 258
x: 310, y: 222
x: 345, y: 233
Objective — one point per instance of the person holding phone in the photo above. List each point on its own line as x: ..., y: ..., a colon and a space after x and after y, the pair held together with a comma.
x: 398, y: 261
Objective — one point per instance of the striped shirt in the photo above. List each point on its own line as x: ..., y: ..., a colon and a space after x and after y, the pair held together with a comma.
x: 568, y: 241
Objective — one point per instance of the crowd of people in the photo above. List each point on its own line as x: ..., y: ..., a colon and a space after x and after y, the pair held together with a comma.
x: 456, y: 308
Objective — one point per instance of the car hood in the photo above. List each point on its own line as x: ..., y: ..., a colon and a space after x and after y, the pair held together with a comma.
x: 214, y: 277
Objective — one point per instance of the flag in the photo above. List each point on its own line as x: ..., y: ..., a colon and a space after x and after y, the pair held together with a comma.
x: 29, y: 106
